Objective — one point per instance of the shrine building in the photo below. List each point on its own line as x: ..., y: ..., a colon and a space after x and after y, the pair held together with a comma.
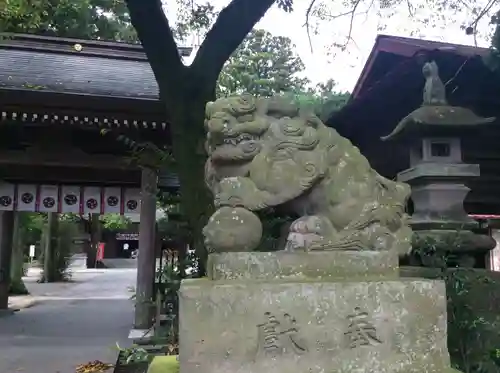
x: 66, y: 106
x: 390, y: 87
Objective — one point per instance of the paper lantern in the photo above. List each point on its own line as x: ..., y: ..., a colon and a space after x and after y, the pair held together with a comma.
x: 26, y: 197
x: 48, y: 199
x: 132, y: 201
x: 112, y: 200
x: 91, y: 200
x: 7, y: 194
x: 70, y: 199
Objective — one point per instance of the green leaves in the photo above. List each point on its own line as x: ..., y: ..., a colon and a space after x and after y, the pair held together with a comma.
x: 267, y: 65
x: 193, y: 19
x: 263, y: 65
x: 493, y: 60
x: 323, y: 100
x: 86, y: 19
x: 115, y: 221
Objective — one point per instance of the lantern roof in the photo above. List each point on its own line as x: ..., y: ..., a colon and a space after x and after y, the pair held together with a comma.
x: 435, y: 114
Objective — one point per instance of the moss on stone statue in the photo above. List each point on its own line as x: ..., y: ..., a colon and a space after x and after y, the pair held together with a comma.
x: 304, y: 266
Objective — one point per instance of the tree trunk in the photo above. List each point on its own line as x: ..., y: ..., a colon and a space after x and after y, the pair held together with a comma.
x: 146, y: 263
x: 6, y: 225
x: 95, y: 238
x: 91, y: 254
x: 17, y: 263
x: 94, y: 231
x: 187, y: 109
x: 50, y: 270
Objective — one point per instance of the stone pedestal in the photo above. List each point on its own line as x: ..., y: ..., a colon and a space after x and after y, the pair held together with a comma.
x: 342, y: 312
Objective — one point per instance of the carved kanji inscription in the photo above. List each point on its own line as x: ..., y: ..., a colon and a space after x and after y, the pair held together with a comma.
x: 360, y: 332
x: 279, y: 335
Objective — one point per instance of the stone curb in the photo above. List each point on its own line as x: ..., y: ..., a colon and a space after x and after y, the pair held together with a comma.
x: 7, y: 312
x: 22, y: 302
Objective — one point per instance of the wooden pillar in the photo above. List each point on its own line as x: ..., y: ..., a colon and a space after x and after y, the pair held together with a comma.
x: 6, y: 227
x: 95, y: 237
x: 17, y: 261
x: 51, y: 239
x: 146, y: 256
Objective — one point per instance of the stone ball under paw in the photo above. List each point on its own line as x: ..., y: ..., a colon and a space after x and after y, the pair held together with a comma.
x: 232, y: 229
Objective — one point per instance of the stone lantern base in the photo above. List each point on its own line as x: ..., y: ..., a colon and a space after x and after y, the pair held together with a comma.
x: 450, y: 248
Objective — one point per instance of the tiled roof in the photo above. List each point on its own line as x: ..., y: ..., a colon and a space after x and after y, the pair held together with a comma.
x: 408, y: 47
x: 76, y: 74
x: 98, y: 68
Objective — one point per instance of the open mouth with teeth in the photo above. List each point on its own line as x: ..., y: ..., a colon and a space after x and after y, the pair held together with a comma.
x: 242, y: 147
x: 236, y: 140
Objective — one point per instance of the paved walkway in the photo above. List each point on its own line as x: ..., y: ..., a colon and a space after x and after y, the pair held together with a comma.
x: 71, y: 324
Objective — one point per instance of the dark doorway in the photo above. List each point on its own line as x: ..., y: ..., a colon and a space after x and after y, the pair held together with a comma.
x: 126, y: 248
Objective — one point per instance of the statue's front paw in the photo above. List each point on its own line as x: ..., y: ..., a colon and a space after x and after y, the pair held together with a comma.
x: 302, y: 241
x: 308, y: 232
x: 241, y: 192
x: 232, y: 192
x: 345, y: 240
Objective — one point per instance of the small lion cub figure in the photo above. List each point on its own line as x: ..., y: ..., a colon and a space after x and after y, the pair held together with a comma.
x: 434, y: 89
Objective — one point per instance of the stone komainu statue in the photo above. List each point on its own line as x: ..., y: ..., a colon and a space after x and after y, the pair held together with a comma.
x: 267, y: 152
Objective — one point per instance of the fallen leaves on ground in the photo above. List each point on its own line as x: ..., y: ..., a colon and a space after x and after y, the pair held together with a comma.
x: 173, y: 349
x: 95, y: 366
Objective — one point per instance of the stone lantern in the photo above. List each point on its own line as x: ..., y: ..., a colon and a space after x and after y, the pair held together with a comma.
x: 438, y: 176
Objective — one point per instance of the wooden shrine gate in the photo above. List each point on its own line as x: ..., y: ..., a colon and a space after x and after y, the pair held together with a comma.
x: 56, y: 97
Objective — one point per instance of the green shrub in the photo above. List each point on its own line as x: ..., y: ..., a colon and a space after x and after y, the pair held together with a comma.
x: 164, y: 364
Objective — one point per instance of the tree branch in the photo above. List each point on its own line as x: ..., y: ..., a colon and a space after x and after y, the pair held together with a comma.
x: 155, y: 34
x: 234, y: 23
x: 308, y: 29
x: 353, y: 14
